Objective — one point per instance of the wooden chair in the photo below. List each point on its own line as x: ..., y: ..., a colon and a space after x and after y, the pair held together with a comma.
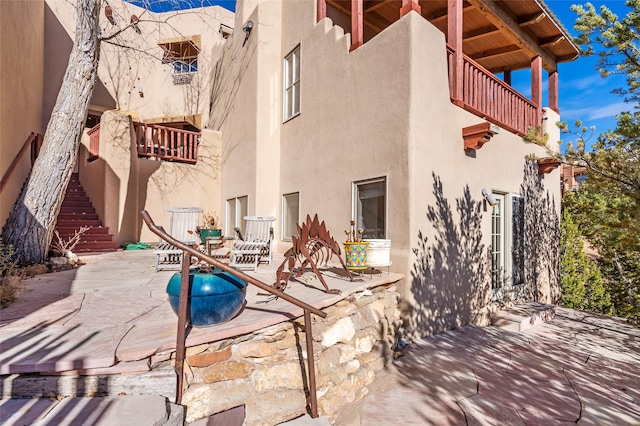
x: 182, y: 227
x: 255, y: 244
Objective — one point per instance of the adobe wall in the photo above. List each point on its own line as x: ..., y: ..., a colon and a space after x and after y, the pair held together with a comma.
x: 21, y: 70
x: 124, y: 72
x: 382, y: 110
x: 120, y: 184
x: 266, y: 370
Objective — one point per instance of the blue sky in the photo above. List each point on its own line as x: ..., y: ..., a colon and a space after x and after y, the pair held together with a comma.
x: 583, y: 93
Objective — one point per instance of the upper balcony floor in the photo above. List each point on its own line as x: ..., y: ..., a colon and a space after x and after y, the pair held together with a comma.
x: 486, y: 41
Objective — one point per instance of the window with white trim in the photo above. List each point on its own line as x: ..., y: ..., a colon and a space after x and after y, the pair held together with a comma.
x: 290, y: 215
x: 370, y: 207
x: 291, y: 98
x: 507, y: 246
x: 236, y: 211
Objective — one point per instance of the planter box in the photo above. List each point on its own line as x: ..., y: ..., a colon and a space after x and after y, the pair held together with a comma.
x: 378, y: 253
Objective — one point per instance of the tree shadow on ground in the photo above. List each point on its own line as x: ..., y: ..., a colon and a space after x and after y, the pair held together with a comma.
x: 450, y: 276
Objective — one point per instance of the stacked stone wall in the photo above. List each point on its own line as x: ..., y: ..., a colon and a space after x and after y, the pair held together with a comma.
x: 267, y: 370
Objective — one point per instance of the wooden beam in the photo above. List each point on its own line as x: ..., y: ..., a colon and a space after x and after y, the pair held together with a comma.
x: 536, y: 87
x: 357, y: 24
x: 553, y: 91
x: 551, y: 41
x: 321, y: 10
x: 454, y: 38
x: 377, y: 5
x: 480, y: 33
x: 504, y: 20
x: 501, y: 51
x: 347, y: 12
x: 410, y: 5
x: 441, y: 14
x: 532, y: 19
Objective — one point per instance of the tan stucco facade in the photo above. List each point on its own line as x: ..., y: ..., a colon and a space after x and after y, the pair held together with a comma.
x: 21, y: 89
x: 380, y: 111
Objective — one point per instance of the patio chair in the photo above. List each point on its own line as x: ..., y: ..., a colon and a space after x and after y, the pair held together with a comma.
x: 255, y: 244
x: 182, y: 227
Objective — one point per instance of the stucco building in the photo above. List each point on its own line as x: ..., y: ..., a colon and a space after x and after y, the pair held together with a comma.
x: 399, y: 115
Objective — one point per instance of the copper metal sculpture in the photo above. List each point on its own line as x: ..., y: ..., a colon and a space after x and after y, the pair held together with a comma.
x: 312, y: 246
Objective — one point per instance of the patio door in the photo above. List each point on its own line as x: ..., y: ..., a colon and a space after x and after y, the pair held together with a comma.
x: 507, y: 247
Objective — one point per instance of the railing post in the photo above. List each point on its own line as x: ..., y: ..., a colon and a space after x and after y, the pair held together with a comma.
x: 536, y: 88
x: 553, y: 91
x: 408, y: 6
x: 357, y: 24
x: 313, y: 397
x: 454, y: 37
x: 181, y: 338
x: 321, y: 10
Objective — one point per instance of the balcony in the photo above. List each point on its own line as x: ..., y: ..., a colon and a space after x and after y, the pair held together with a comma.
x: 166, y: 143
x: 485, y: 95
x: 485, y: 38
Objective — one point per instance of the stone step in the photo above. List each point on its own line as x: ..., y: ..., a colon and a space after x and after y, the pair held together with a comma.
x: 77, y: 216
x: 69, y: 223
x: 65, y: 231
x: 89, y: 246
x: 523, y: 317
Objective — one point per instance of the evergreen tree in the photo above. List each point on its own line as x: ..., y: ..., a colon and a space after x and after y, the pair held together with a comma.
x: 580, y: 278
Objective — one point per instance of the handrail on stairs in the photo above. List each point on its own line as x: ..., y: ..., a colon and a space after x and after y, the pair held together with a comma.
x: 5, y: 179
x: 188, y: 252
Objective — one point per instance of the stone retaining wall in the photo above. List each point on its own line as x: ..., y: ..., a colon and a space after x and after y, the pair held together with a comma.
x: 266, y: 370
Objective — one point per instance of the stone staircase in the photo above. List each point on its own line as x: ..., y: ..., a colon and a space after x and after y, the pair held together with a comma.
x: 77, y: 211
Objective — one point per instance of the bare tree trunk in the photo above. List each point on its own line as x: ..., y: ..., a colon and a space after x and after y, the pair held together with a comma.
x: 32, y: 220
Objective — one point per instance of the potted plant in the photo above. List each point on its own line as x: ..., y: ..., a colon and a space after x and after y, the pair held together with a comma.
x: 210, y: 227
x: 355, y: 249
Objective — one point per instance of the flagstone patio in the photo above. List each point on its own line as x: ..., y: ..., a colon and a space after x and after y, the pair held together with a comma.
x: 111, y: 316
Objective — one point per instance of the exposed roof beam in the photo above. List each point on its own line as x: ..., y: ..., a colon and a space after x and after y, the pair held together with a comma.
x: 496, y: 52
x: 504, y: 20
x: 377, y: 5
x: 441, y: 15
x: 532, y: 19
x: 551, y: 41
x: 479, y: 33
x: 344, y: 10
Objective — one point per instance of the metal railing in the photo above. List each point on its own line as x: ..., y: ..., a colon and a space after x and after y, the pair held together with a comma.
x: 166, y: 143
x: 189, y: 252
x: 485, y: 95
x: 34, y: 141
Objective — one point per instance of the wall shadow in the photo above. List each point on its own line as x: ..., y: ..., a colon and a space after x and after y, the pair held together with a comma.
x: 542, y: 238
x: 450, y: 277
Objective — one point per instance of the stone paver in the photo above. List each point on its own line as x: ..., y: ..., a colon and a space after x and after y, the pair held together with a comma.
x: 111, y: 316
x: 576, y: 369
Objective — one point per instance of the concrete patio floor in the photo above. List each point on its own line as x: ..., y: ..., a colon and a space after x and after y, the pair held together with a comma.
x: 111, y: 316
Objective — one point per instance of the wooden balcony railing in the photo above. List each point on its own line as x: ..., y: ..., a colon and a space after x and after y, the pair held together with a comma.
x: 166, y: 143
x: 487, y: 96
x: 94, y: 142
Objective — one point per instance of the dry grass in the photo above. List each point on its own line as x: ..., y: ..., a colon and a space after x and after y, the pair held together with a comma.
x: 10, y: 286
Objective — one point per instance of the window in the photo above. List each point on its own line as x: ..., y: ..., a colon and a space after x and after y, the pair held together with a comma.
x: 236, y: 211
x: 182, y: 54
x: 290, y: 215
x: 370, y: 207
x: 291, y: 101
x: 507, y: 247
